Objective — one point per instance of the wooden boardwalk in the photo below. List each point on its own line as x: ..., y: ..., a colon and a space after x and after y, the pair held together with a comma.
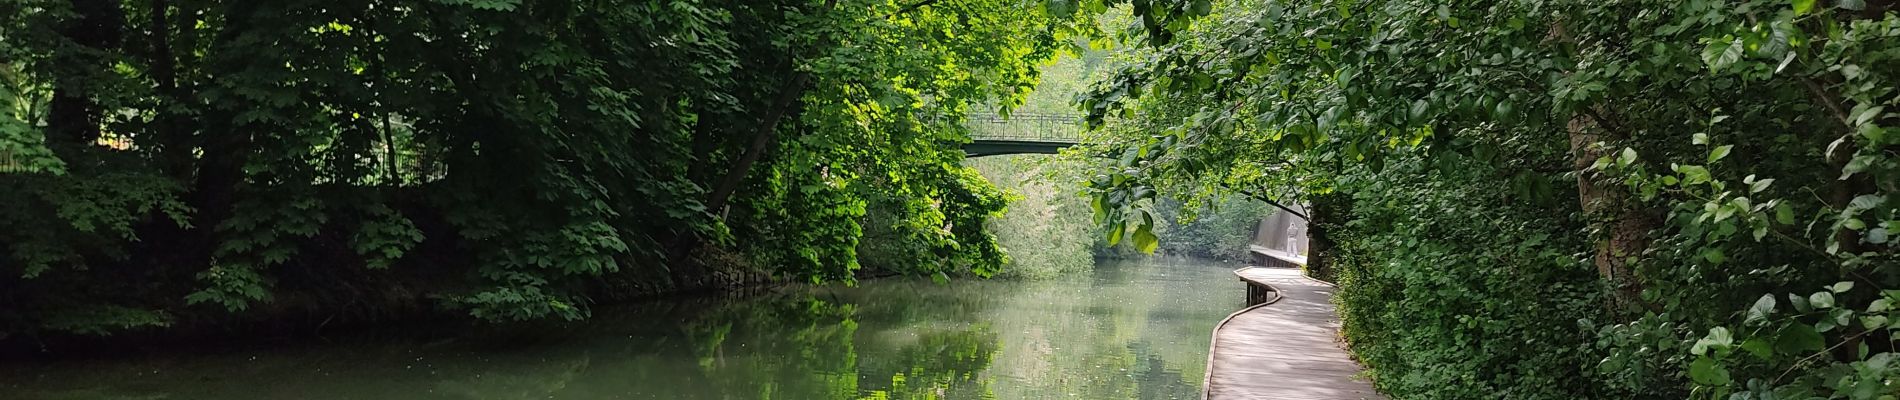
x: 1284, y: 349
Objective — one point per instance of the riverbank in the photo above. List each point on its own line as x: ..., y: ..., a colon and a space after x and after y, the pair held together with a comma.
x: 417, y: 319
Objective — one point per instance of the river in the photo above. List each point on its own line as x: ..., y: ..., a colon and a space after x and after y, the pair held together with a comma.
x: 1128, y: 330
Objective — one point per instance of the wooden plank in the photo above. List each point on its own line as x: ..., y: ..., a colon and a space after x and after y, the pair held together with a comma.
x: 1286, y: 349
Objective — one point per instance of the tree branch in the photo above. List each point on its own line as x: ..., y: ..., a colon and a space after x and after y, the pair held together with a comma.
x: 1820, y: 95
x: 761, y: 141
x: 1257, y: 196
x: 1607, y: 123
x: 766, y: 130
x: 913, y: 7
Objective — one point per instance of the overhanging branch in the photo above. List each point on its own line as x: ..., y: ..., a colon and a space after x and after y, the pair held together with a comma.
x: 913, y: 7
x: 1257, y: 196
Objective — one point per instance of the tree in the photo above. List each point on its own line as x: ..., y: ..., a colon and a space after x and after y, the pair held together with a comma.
x: 1721, y: 150
x: 219, y: 161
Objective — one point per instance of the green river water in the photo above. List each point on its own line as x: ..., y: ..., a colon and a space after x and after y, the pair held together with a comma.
x: 1128, y: 330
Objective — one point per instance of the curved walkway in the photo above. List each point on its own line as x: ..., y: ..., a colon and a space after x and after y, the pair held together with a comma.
x: 1284, y: 349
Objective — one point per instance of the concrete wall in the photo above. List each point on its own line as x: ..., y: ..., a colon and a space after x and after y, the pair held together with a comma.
x: 1283, y: 232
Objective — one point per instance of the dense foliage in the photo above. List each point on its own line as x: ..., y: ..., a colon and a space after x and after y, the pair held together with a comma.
x: 1530, y: 199
x: 1219, y: 228
x: 1047, y: 229
x: 186, y: 161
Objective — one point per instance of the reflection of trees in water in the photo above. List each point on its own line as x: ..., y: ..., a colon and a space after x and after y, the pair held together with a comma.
x: 774, y: 347
x: 1155, y: 380
x: 1120, y: 334
x: 1114, y: 336
x: 777, y: 347
x: 807, y: 348
x: 537, y: 382
x: 940, y: 365
x: 788, y: 347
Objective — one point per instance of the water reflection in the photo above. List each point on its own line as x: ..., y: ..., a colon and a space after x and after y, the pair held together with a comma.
x: 1128, y: 331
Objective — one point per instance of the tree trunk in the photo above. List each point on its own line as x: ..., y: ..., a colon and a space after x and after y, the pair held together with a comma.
x: 706, y: 134
x: 1622, y: 226
x: 226, y: 146
x: 73, y: 116
x: 1327, y: 210
x: 763, y: 135
x: 1840, y: 192
x: 762, y: 139
x: 172, y: 130
x: 767, y: 129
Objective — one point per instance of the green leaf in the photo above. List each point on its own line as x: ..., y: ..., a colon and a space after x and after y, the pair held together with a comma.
x: 1802, y: 6
x: 1719, y: 152
x: 1718, y: 337
x: 1722, y: 53
x: 1784, y: 214
x: 1821, y: 300
x: 1145, y: 240
x: 1705, y: 371
x: 1874, y: 133
x: 1693, y: 174
x: 1060, y: 7
x: 1699, y: 138
x: 1201, y: 7
x: 1759, y: 347
x: 1627, y: 157
x: 1859, y: 163
x: 1759, y: 312
x: 1714, y: 255
x: 1842, y: 286
x: 1867, y: 114
x: 1855, y: 5
x: 1758, y: 186
x: 1798, y: 339
x: 1874, y: 321
x: 1330, y: 117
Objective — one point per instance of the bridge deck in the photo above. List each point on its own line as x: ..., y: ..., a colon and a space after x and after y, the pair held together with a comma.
x: 1277, y: 253
x: 993, y: 147
x: 1284, y: 349
x: 1021, y: 133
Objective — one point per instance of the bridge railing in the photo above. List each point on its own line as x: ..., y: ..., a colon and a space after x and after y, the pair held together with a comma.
x: 1029, y: 127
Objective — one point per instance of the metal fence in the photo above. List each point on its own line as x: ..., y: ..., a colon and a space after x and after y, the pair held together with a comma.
x: 1064, y: 128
